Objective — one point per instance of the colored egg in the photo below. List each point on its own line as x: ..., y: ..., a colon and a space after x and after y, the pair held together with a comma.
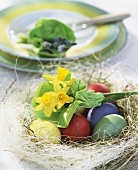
x: 78, y: 128
x: 97, y: 113
x: 98, y: 87
x: 110, y: 125
x: 46, y: 130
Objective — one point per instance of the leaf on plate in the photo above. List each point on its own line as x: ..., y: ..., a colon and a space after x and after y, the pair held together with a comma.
x: 49, y: 29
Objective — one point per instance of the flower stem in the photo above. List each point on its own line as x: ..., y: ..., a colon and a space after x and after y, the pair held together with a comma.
x: 112, y: 97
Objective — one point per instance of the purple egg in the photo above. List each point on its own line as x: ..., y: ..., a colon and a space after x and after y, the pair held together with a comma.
x: 97, y: 113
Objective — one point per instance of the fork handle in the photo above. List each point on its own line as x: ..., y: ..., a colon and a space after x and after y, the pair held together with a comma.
x: 102, y: 19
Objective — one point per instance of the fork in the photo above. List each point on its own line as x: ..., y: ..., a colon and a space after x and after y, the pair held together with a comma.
x: 99, y: 20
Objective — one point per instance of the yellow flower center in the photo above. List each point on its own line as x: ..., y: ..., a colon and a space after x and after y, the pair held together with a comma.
x: 63, y: 98
x: 46, y: 99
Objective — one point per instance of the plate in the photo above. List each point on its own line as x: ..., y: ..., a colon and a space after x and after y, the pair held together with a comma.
x: 22, y: 17
x: 36, y: 66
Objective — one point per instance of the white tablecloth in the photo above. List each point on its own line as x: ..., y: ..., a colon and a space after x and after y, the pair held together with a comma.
x: 128, y: 57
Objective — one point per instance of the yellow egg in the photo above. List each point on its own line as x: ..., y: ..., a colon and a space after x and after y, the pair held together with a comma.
x: 46, y: 130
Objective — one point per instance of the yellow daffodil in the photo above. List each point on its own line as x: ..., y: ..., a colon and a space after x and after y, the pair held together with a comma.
x: 62, y: 73
x: 62, y: 97
x: 59, y: 79
x: 52, y: 100
x: 47, y: 102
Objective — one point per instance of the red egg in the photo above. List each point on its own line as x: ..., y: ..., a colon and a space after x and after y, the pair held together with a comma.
x: 98, y: 87
x: 78, y: 129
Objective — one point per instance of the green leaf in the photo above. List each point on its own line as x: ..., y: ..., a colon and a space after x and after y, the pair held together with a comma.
x: 86, y: 99
x: 92, y: 100
x: 68, y: 77
x: 23, y: 38
x: 55, y: 54
x: 78, y: 86
x: 67, y: 115
x: 112, y: 97
x: 74, y: 88
x: 49, y: 29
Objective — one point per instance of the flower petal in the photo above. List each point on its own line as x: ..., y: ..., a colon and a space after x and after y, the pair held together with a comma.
x: 53, y: 104
x: 57, y: 86
x: 47, y: 111
x: 39, y: 107
x: 62, y: 73
x: 62, y: 83
x: 70, y: 99
x: 65, y: 90
x: 70, y: 82
x: 59, y: 105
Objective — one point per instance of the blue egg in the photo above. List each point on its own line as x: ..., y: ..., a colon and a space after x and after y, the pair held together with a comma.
x: 97, y: 113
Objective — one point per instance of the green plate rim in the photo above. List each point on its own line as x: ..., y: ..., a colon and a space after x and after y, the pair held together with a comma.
x: 105, y: 53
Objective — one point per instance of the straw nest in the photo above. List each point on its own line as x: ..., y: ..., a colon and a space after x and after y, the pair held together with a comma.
x: 116, y: 153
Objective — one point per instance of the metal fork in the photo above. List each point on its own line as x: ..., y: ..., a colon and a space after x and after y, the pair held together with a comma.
x: 99, y: 20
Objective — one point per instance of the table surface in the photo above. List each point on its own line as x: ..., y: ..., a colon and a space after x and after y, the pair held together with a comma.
x: 128, y: 57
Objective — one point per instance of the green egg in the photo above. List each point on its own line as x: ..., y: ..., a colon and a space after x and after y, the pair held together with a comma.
x: 110, y: 125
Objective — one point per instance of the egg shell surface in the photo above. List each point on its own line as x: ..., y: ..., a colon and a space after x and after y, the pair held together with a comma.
x: 110, y: 125
x: 98, y: 87
x: 46, y: 130
x: 78, y: 128
x: 97, y: 113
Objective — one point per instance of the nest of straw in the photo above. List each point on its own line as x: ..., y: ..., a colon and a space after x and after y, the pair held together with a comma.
x: 116, y: 153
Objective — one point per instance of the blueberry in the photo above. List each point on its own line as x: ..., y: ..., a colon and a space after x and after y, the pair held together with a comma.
x: 62, y: 48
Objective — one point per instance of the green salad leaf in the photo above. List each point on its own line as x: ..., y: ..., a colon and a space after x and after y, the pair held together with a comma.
x: 49, y: 37
x: 49, y: 30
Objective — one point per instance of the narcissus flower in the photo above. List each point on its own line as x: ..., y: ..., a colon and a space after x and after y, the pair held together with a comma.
x: 62, y: 97
x: 59, y: 79
x: 51, y: 101
x: 47, y: 102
